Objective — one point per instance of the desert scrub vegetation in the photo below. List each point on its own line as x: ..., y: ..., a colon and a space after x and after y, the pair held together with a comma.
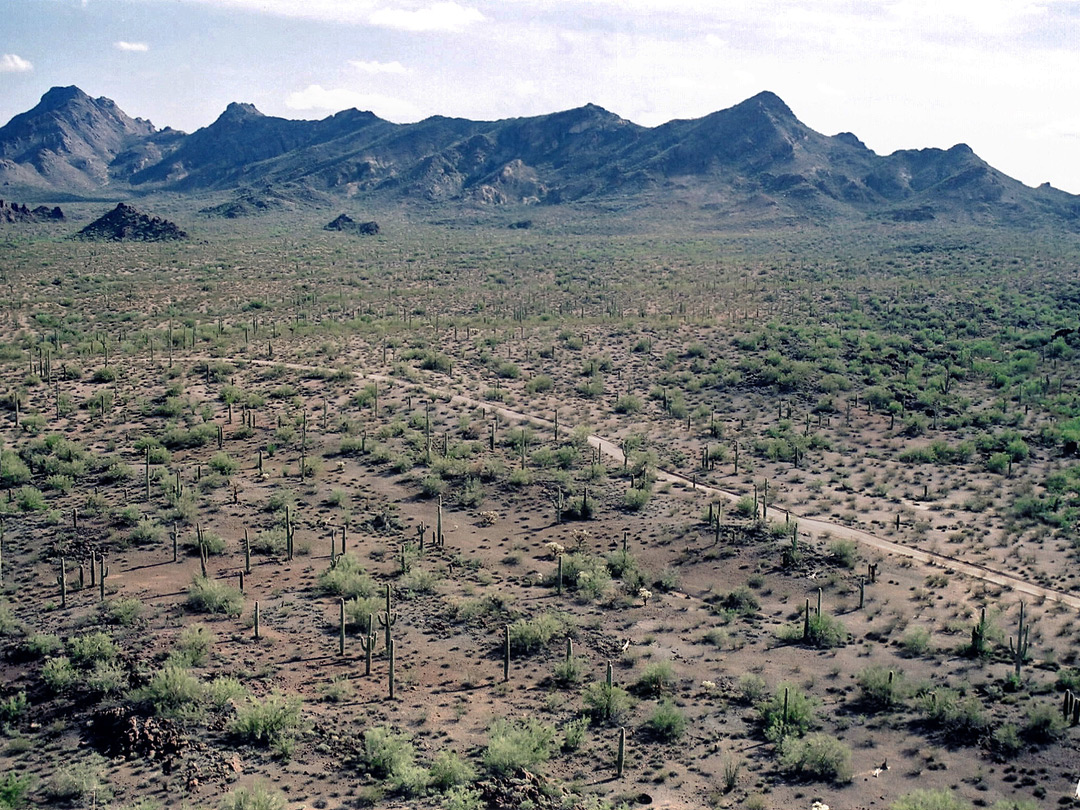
x: 207, y: 595
x: 882, y: 382
x: 521, y: 743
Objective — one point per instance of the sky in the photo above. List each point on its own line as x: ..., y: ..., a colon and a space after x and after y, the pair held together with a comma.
x: 1002, y: 76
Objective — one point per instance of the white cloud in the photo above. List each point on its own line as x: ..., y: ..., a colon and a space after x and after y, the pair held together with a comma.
x: 378, y: 67
x: 317, y: 97
x: 12, y: 63
x: 136, y: 47
x: 405, y: 15
x: 446, y: 16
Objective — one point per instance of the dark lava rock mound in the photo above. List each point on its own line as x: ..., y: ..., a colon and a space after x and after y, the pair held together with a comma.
x: 126, y: 224
x: 349, y: 225
x: 13, y: 212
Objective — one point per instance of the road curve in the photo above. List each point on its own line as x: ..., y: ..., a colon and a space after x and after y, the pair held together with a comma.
x: 815, y: 525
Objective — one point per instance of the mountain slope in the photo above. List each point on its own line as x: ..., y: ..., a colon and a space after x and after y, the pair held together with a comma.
x: 753, y: 160
x: 68, y: 141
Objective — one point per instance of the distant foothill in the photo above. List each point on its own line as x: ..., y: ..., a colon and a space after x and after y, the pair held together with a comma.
x: 126, y: 224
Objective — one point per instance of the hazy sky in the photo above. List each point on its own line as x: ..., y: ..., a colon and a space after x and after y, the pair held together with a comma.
x: 1000, y: 75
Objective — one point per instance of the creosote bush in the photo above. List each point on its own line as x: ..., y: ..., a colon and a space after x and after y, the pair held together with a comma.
x: 667, y: 723
x: 266, y: 722
x: 207, y: 595
x: 816, y: 756
x: 792, y: 717
x: 348, y: 578
x: 530, y: 635
x: 257, y: 797
x: 606, y: 704
x: 449, y: 770
x: 519, y: 743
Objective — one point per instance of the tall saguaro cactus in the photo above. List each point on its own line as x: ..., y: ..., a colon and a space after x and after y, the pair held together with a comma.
x: 387, y: 619
x: 1019, y: 648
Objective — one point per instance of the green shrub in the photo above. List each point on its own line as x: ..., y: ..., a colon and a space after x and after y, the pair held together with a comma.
x: 667, y: 722
x: 417, y: 581
x: 741, y: 601
x: 527, y: 636
x: 463, y: 797
x: 606, y: 704
x: 224, y: 690
x: 58, y: 674
x: 107, y: 678
x: 1005, y: 741
x: 657, y: 678
x: 124, y: 611
x: 880, y: 688
x: 539, y: 384
x: 843, y: 553
x: 347, y: 578
x: 930, y: 800
x: 449, y: 770
x: 915, y: 642
x: 41, y: 645
x: 575, y: 733
x: 822, y: 631
x: 516, y: 744
x: 751, y: 688
x: 78, y: 780
x: 568, y: 671
x: 1044, y: 724
x: 268, y: 721
x: 960, y: 720
x: 206, y: 595
x: 257, y: 797
x: 636, y: 499
x: 357, y: 610
x: 8, y: 623
x: 13, y: 707
x: 192, y: 646
x: 14, y: 790
x: 89, y: 648
x: 214, y: 544
x: 223, y: 464
x: 799, y: 716
x: 30, y: 499
x: 386, y: 752
x: 173, y: 691
x: 816, y: 756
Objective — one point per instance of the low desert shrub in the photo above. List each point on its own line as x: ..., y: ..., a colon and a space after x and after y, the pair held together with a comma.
x: 516, y: 744
x: 788, y: 713
x: 930, y: 800
x: 667, y: 722
x: 266, y: 722
x: 449, y: 770
x: 817, y: 756
x: 206, y: 595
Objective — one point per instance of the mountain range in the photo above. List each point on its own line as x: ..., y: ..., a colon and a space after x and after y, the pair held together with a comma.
x: 755, y: 160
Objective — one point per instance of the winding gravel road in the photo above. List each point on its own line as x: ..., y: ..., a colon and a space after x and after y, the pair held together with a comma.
x: 812, y: 525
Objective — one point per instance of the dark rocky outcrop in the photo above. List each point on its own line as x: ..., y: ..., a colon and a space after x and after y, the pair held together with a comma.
x: 347, y: 224
x: 14, y: 212
x: 126, y: 224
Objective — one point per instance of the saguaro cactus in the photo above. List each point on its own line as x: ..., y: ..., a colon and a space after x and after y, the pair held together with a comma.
x: 61, y: 580
x: 103, y: 573
x: 506, y: 653
x: 620, y: 758
x: 387, y: 618
x: 367, y: 644
x: 1019, y: 649
x: 341, y: 627
x: 390, y: 674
